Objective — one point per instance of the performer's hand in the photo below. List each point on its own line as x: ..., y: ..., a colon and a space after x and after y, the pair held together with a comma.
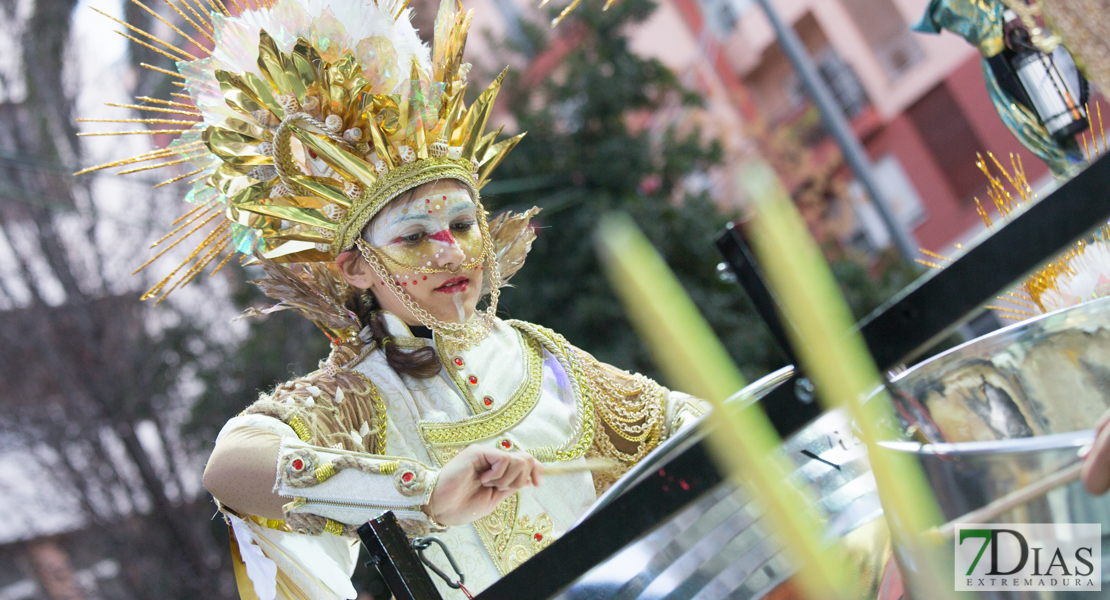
x: 1096, y: 470
x: 473, y: 483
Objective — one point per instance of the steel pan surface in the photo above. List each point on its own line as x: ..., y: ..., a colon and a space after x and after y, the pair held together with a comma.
x: 720, y: 547
x: 1045, y: 375
x: 968, y: 475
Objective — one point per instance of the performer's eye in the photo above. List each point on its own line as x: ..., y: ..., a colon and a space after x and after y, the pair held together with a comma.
x: 413, y: 238
x: 462, y: 225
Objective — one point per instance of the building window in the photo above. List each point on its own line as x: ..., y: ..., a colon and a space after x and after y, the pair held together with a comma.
x: 721, y: 16
x: 950, y: 138
x: 887, y: 34
x: 841, y: 81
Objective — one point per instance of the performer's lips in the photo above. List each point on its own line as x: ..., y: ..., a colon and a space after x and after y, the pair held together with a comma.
x: 454, y: 286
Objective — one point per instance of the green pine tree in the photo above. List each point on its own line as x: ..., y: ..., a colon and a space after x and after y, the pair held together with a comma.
x: 581, y: 160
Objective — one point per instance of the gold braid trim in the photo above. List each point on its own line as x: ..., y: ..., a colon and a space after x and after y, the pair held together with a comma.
x: 494, y: 422
x: 394, y: 182
x: 313, y: 471
x: 343, y: 410
x: 566, y: 355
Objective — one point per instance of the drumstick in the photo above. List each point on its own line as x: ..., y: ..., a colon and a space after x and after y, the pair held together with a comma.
x: 1015, y: 498
x: 588, y: 464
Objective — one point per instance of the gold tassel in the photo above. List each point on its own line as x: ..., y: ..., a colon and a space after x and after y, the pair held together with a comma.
x: 155, y: 14
x: 198, y: 266
x: 156, y: 154
x: 221, y: 8
x: 191, y: 22
x: 1098, y: 107
x: 147, y: 35
x: 221, y: 265
x: 1018, y: 302
x: 154, y: 108
x: 142, y: 43
x: 166, y: 102
x: 161, y: 284
x: 178, y: 241
x: 187, y: 214
x: 208, y: 257
x: 1011, y: 310
x: 157, y: 166
x: 178, y: 178
x: 150, y: 132
x: 206, y: 207
x: 161, y: 70
x: 170, y: 121
x: 566, y: 11
x: 934, y: 254
x: 203, y: 18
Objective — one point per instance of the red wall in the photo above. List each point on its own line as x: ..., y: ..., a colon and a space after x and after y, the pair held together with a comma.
x: 948, y: 217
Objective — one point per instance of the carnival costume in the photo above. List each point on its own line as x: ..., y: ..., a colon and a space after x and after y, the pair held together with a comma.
x: 312, y: 116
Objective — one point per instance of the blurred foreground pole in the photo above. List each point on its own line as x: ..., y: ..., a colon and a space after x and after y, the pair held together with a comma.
x: 835, y: 357
x: 692, y: 359
x: 838, y: 126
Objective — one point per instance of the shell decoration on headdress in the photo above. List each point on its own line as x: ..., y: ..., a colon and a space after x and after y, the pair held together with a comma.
x: 303, y: 119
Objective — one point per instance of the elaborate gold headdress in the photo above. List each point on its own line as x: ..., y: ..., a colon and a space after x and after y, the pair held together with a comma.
x: 307, y: 116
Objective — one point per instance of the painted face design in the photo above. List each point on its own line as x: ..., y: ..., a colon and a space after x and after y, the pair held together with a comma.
x: 415, y: 234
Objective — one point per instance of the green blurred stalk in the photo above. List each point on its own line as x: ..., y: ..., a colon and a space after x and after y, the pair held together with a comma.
x: 836, y: 359
x: 693, y: 360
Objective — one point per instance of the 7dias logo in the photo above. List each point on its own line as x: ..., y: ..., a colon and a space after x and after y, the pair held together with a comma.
x: 1028, y: 556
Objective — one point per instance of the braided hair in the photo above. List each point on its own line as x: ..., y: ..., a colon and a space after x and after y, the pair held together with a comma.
x: 421, y: 363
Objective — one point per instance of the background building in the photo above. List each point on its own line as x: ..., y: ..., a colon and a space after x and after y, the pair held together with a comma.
x: 918, y: 103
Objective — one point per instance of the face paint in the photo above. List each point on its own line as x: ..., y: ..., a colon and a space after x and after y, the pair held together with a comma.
x: 416, y: 234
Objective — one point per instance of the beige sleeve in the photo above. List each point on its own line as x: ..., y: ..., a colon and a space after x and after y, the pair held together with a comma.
x: 242, y: 471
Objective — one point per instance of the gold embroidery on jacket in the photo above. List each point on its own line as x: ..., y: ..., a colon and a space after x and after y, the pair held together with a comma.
x: 488, y: 424
x: 511, y: 539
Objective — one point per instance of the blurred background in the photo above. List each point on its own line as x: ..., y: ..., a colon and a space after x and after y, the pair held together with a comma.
x: 110, y: 405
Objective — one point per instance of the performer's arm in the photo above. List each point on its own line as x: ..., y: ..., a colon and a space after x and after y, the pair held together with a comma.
x: 1096, y: 471
x: 322, y: 489
x: 240, y: 472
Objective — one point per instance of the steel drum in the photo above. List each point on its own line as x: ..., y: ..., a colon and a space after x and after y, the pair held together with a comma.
x: 1046, y: 375
x: 720, y: 546
x: 1005, y: 410
x: 1010, y: 408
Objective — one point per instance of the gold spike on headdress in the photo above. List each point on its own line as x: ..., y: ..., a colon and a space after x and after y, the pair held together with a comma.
x: 309, y: 129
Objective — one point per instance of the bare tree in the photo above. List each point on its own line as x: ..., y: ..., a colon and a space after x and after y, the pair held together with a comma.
x: 92, y: 377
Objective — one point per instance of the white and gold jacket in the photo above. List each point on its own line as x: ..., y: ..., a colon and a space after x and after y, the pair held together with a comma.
x: 361, y: 439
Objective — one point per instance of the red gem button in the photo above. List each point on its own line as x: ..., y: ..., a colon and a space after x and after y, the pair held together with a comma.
x: 538, y: 536
x: 487, y: 401
x: 407, y: 476
x: 458, y: 362
x: 506, y: 444
x: 298, y: 464
x: 473, y: 379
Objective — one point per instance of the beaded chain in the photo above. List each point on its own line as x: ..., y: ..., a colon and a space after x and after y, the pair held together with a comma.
x: 457, y: 336
x: 632, y: 421
x: 430, y: 270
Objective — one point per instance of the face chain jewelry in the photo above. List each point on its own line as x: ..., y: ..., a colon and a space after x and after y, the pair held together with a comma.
x: 456, y: 336
x: 473, y: 264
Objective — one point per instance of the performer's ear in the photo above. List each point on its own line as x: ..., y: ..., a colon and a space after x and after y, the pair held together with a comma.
x: 356, y: 271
